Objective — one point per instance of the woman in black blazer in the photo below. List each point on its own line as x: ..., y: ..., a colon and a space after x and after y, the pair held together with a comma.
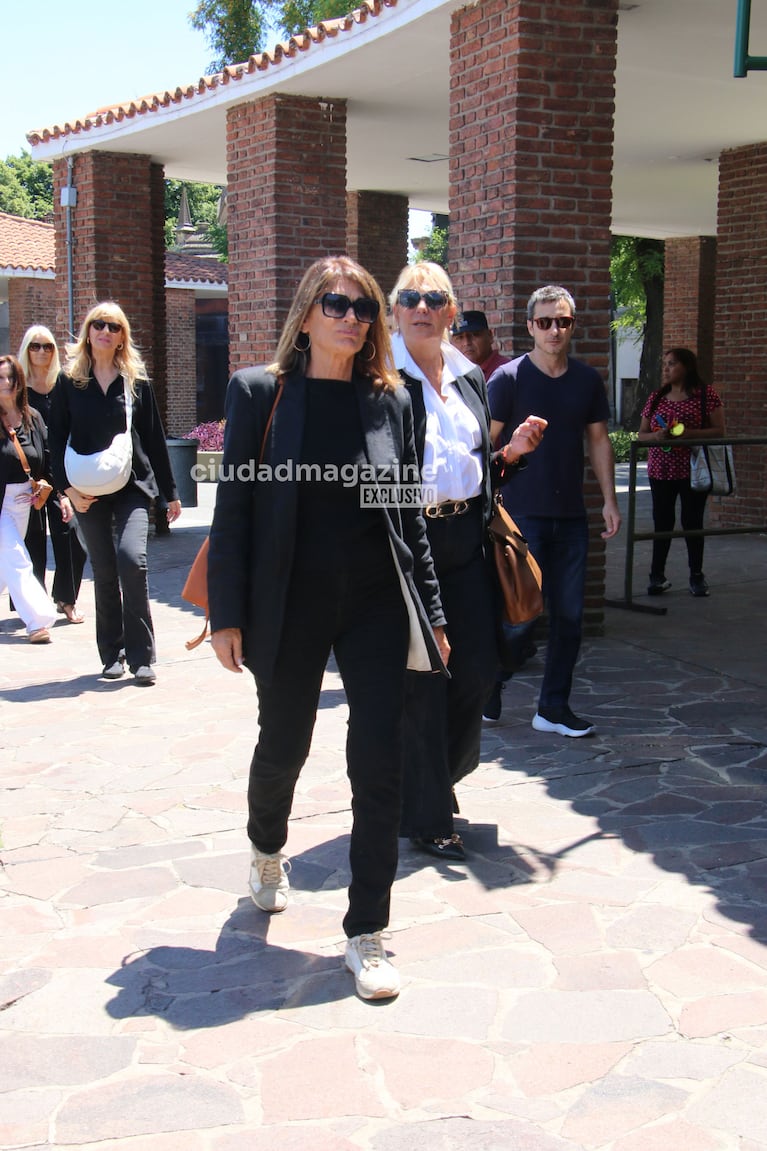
x: 443, y: 719
x: 310, y: 553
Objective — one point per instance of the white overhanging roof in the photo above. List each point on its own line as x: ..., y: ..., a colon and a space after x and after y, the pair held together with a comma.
x: 678, y: 106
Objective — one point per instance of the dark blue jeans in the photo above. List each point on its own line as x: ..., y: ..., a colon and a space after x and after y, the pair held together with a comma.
x: 561, y: 549
x: 115, y: 530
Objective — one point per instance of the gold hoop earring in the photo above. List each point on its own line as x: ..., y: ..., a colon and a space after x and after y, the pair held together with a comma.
x: 372, y: 356
x: 303, y: 347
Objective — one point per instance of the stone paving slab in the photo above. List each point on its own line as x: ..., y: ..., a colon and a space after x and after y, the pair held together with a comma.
x: 593, y: 978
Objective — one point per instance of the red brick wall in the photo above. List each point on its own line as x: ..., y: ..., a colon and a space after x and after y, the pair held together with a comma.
x: 740, y: 360
x: 118, y: 248
x: 377, y: 234
x: 182, y: 361
x: 532, y: 88
x: 286, y: 202
x: 30, y: 301
x: 688, y: 299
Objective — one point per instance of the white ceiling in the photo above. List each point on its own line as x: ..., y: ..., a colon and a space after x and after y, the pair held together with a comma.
x: 677, y: 107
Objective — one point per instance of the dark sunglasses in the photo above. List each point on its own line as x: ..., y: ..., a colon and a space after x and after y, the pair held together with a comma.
x: 99, y: 325
x: 34, y: 346
x: 562, y: 322
x: 335, y: 306
x: 409, y: 298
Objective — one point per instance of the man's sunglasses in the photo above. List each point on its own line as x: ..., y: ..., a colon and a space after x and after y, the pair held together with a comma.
x: 335, y: 306
x: 34, y: 346
x: 99, y: 325
x: 409, y: 298
x: 562, y: 322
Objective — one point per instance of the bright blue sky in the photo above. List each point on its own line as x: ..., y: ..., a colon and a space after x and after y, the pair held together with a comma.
x: 67, y: 57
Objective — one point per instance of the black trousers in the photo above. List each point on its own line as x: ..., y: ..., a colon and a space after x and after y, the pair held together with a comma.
x: 68, y: 553
x: 115, y: 531
x: 443, y: 718
x: 359, y: 614
x: 692, y: 505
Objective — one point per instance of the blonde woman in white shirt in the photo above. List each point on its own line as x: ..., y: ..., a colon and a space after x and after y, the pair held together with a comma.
x: 452, y: 434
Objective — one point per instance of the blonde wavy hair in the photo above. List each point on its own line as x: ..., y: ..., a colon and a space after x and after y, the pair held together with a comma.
x: 127, y: 358
x: 42, y: 335
x: 321, y: 277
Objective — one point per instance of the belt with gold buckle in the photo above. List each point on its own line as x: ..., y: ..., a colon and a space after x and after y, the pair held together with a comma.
x: 446, y: 509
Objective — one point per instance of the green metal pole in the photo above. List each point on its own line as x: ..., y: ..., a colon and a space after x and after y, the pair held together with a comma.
x: 742, y: 29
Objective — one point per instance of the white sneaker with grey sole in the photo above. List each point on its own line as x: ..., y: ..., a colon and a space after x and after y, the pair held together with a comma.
x: 268, y: 881
x: 374, y: 974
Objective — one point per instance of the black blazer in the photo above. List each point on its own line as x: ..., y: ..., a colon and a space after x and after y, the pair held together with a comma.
x: 253, y: 530
x: 473, y: 392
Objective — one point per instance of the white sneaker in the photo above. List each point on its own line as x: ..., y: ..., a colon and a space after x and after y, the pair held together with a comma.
x: 268, y: 881
x: 114, y: 670
x: 145, y: 675
x: 374, y: 974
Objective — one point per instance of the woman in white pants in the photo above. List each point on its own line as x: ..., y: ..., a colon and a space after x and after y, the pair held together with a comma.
x: 21, y: 423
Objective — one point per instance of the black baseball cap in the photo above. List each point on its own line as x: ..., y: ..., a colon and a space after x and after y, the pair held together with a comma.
x: 469, y: 322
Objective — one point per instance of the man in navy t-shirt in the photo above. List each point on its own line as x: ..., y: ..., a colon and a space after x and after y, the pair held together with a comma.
x: 546, y: 498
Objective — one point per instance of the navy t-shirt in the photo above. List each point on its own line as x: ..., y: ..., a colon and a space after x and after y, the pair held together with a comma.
x: 552, y: 482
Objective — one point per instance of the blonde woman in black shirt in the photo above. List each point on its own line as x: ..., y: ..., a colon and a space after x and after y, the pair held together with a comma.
x: 104, y: 393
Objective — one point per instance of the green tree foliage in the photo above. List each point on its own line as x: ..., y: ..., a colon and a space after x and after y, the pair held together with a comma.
x: 203, y: 209
x: 636, y: 271
x: 435, y: 250
x: 26, y: 187
x: 235, y: 29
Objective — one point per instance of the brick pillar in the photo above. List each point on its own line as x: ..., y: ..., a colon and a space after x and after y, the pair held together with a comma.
x: 531, y: 150
x: 31, y: 300
x: 286, y: 201
x: 739, y: 354
x: 118, y: 249
x: 182, y: 361
x: 688, y: 297
x: 377, y: 228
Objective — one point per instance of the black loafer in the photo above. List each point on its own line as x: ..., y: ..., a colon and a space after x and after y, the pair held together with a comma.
x: 451, y: 848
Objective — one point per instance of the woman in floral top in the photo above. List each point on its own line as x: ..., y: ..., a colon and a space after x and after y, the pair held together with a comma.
x: 678, y: 403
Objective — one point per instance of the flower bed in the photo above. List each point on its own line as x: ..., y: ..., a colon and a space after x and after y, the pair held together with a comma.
x: 210, y: 436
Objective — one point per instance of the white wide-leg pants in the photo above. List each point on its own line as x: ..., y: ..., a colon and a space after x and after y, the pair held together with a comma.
x: 30, y: 599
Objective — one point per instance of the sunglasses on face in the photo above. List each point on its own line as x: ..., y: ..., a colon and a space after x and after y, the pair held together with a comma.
x: 36, y: 347
x: 335, y: 306
x: 545, y: 322
x: 409, y: 298
x: 99, y: 325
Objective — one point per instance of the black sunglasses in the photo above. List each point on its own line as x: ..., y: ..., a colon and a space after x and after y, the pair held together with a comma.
x: 335, y: 306
x: 562, y: 322
x: 99, y: 325
x: 34, y: 346
x: 409, y: 298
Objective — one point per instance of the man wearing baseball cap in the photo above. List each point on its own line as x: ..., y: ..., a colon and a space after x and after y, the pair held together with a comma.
x: 473, y: 337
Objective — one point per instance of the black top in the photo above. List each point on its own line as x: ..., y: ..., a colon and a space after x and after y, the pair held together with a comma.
x: 92, y: 418
x: 332, y: 528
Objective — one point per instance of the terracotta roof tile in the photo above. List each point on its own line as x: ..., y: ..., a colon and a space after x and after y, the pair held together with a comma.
x: 26, y: 245
x: 197, y: 269
x: 260, y: 62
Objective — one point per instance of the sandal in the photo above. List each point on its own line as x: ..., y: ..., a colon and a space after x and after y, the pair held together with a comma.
x: 42, y: 635
x: 71, y: 611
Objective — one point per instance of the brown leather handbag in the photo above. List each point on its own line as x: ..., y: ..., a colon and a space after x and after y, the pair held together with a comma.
x: 40, y: 488
x: 195, y: 590
x: 518, y: 573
